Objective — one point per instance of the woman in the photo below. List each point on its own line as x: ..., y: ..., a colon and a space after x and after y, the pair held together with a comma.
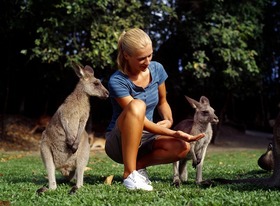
x: 136, y: 89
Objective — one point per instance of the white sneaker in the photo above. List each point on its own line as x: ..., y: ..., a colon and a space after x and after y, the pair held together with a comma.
x: 144, y: 173
x: 136, y: 181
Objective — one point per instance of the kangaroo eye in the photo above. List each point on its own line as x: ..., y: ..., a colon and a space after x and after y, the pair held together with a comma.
x: 95, y: 83
x: 205, y: 113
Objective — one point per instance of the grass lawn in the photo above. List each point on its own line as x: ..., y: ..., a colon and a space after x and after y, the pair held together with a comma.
x: 21, y: 174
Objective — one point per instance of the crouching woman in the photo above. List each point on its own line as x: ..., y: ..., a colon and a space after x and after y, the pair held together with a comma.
x: 136, y: 90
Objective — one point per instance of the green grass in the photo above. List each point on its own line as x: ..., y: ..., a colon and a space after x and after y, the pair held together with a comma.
x: 21, y: 174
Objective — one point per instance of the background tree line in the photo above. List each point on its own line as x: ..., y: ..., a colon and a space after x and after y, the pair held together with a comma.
x: 225, y: 50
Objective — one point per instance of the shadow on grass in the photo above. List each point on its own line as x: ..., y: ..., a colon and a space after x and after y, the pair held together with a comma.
x: 99, y: 179
x: 242, y: 182
x: 42, y: 180
x: 243, y: 187
x: 36, y: 179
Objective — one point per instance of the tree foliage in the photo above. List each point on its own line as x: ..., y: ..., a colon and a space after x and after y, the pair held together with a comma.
x: 86, y: 30
x: 216, y: 48
x: 222, y: 39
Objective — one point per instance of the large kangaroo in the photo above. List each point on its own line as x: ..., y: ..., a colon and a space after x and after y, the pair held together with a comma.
x: 201, y: 123
x: 65, y: 143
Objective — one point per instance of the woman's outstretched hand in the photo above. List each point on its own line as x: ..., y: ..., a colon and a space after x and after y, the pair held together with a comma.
x: 187, y: 137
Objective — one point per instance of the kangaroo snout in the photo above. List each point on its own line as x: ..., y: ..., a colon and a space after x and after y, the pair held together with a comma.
x: 105, y: 94
x: 215, y: 120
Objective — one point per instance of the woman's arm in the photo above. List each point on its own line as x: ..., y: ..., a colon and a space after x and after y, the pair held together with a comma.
x: 158, y: 128
x: 163, y: 107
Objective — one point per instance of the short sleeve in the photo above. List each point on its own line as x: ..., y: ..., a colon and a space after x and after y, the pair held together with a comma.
x: 162, y: 75
x: 118, y: 85
x: 158, y: 72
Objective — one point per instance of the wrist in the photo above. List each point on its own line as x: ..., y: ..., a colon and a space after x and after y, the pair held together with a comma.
x: 170, y: 122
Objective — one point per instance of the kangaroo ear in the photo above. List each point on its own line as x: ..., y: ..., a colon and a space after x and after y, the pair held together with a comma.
x: 204, y: 100
x: 192, y: 102
x: 81, y: 71
x: 87, y: 72
x: 88, y: 69
x: 78, y: 68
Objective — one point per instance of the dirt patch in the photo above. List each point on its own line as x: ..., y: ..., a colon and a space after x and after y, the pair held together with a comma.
x: 232, y: 138
x: 16, y: 135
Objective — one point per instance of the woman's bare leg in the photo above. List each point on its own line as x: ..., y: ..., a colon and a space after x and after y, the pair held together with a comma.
x: 165, y: 150
x: 131, y: 124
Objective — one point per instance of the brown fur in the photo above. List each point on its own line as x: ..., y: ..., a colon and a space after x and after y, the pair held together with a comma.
x: 266, y: 160
x: 201, y: 123
x: 65, y: 143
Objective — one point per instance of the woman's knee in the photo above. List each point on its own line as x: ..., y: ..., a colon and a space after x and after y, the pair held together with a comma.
x: 137, y: 107
x: 138, y: 104
x: 183, y: 149
x: 134, y: 111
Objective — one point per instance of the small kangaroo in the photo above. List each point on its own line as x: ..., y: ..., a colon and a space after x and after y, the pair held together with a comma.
x: 65, y: 143
x: 269, y: 182
x: 201, y: 123
x: 266, y: 160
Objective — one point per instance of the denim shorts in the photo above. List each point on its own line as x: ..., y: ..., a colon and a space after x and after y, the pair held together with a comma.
x: 113, y: 146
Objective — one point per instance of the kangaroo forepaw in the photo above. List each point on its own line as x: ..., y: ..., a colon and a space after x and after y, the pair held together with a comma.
x: 72, y: 148
x: 194, y: 165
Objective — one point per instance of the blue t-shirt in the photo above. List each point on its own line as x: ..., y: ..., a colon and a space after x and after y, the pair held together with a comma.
x: 120, y: 85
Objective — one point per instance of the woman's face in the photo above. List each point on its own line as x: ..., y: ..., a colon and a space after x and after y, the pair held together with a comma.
x: 140, y: 59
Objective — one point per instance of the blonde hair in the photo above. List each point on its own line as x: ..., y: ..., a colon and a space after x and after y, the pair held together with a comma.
x: 128, y: 42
